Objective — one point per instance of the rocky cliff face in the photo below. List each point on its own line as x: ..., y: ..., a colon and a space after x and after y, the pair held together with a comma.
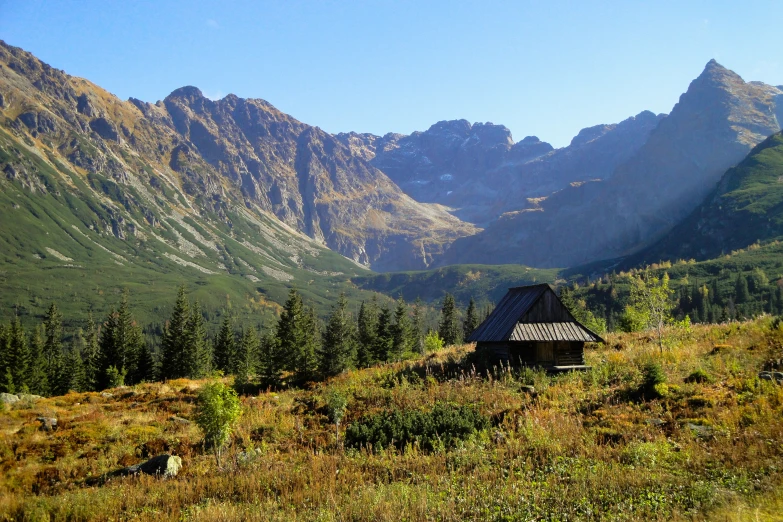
x: 227, y: 154
x: 479, y: 172
x: 714, y: 125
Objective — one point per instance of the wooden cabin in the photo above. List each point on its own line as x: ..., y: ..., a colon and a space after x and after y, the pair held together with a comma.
x: 531, y: 326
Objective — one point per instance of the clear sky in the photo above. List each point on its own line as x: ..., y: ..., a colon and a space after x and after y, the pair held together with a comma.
x: 540, y: 68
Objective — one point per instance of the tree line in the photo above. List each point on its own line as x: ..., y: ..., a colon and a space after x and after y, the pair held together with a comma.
x: 298, y: 349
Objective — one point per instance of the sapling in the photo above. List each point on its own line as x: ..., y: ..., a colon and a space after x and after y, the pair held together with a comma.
x: 336, y: 404
x: 217, y: 412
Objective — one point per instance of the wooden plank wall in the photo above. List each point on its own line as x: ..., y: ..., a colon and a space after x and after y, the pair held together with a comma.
x: 569, y: 353
x: 547, y: 309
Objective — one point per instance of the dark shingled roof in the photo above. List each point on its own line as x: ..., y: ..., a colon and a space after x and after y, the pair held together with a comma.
x: 503, y: 324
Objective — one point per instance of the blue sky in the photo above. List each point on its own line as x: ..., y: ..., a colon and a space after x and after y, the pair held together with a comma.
x: 542, y: 68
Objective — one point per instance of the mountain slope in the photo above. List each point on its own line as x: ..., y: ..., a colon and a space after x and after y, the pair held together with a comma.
x: 745, y: 207
x: 714, y: 125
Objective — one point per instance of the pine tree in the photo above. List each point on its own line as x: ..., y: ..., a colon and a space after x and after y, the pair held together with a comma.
x: 52, y: 349
x: 290, y: 330
x: 448, y: 329
x: 271, y: 361
x: 197, y: 358
x: 91, y: 356
x: 367, y: 333
x: 71, y: 374
x: 224, y: 346
x: 400, y: 330
x: 307, y: 365
x: 145, y: 369
x: 417, y: 328
x: 471, y: 320
x: 17, y: 357
x: 246, y: 356
x: 339, y: 341
x: 37, y: 381
x: 120, y: 338
x: 383, y: 335
x: 174, y: 345
x: 741, y: 292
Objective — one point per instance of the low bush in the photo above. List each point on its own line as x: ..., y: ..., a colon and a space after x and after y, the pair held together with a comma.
x: 440, y: 427
x: 699, y: 376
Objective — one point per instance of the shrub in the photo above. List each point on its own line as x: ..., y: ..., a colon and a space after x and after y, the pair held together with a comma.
x: 654, y: 384
x: 432, y: 342
x: 336, y: 404
x: 217, y: 411
x: 699, y: 376
x: 440, y: 427
x: 114, y: 377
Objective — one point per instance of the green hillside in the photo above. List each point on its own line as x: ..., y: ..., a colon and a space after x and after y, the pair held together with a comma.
x: 745, y: 207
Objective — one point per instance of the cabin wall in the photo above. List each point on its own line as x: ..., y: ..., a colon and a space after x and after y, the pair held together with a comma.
x: 561, y: 353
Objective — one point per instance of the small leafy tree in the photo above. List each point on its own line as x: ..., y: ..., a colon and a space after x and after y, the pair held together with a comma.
x: 650, y: 306
x: 336, y: 404
x: 432, y: 342
x: 217, y: 412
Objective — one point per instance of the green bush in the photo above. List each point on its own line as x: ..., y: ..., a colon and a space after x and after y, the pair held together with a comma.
x: 654, y: 384
x: 217, y: 411
x: 440, y: 427
x: 699, y: 376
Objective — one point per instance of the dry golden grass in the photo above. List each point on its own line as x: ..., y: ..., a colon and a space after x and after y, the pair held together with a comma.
x: 585, y: 446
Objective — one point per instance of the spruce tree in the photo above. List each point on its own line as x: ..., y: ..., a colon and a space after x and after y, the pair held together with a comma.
x: 37, y: 381
x: 197, y: 359
x: 471, y: 320
x: 290, y: 330
x: 145, y: 369
x: 272, y: 361
x: 367, y: 333
x: 17, y: 359
x: 52, y: 349
x: 246, y: 356
x: 306, y: 369
x: 174, y: 362
x: 741, y: 292
x: 417, y: 327
x: 71, y: 374
x: 91, y: 356
x: 400, y: 330
x: 383, y: 336
x: 448, y: 329
x: 224, y: 346
x: 339, y: 341
x: 120, y: 338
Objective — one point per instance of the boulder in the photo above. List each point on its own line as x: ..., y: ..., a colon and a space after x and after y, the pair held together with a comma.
x: 179, y: 420
x: 47, y: 423
x: 29, y: 397
x: 703, y: 432
x: 8, y: 398
x: 163, y: 465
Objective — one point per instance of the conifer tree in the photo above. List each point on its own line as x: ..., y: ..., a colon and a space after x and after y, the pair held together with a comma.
x: 120, y: 338
x: 307, y: 365
x: 272, y: 361
x: 417, y: 328
x: 448, y: 328
x: 383, y: 336
x: 37, y: 381
x: 224, y: 346
x: 71, y: 374
x: 16, y: 359
x: 400, y: 330
x: 471, y: 320
x: 52, y: 349
x: 145, y: 369
x: 290, y: 330
x: 367, y: 333
x: 339, y: 341
x: 197, y: 358
x: 741, y: 292
x: 91, y: 356
x: 174, y: 363
x: 246, y: 356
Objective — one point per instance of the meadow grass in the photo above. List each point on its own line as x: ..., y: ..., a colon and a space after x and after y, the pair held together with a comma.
x: 580, y: 446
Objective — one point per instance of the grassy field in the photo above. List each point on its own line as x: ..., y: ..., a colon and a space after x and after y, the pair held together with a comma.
x: 602, y: 444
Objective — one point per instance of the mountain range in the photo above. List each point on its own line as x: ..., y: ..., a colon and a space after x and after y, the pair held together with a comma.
x: 233, y: 190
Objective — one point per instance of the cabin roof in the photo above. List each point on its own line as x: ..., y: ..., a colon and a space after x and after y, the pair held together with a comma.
x: 505, y: 321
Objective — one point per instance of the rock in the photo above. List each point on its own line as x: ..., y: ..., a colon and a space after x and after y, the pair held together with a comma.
x: 29, y: 397
x: 703, y: 432
x: 655, y: 422
x: 2, y: 102
x: 163, y: 465
x: 105, y: 129
x: 778, y: 376
x: 47, y: 423
x: 8, y: 398
x: 179, y: 420
x: 766, y: 376
x: 530, y: 390
x: 84, y: 106
x: 107, y: 395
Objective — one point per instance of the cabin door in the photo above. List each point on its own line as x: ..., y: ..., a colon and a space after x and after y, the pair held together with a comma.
x: 545, y: 353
